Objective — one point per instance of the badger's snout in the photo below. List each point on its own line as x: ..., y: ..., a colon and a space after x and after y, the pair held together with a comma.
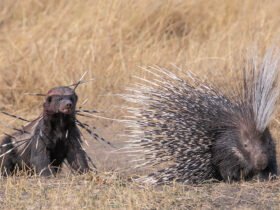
x: 66, y: 107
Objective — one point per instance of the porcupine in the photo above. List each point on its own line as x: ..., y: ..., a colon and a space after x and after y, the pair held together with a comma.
x: 199, y: 132
x: 42, y: 145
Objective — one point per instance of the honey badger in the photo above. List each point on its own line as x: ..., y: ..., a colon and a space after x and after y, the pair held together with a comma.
x: 46, y: 142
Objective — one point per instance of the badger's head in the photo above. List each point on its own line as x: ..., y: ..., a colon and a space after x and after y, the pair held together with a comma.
x: 61, y: 100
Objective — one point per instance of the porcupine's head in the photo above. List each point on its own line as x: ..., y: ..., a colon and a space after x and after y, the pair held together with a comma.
x: 244, y: 147
x: 60, y: 100
x: 253, y: 146
x: 242, y: 152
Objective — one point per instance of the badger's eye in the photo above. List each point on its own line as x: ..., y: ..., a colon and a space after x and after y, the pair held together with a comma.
x: 245, y: 145
x: 49, y: 99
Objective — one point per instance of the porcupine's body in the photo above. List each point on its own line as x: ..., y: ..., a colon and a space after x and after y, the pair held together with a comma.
x: 200, y: 133
x: 43, y: 144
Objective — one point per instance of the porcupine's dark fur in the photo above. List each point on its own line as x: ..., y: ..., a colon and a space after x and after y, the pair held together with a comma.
x: 44, y: 144
x: 203, y: 133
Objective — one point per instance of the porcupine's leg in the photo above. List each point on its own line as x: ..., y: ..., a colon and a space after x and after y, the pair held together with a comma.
x: 271, y: 170
x: 40, y: 160
x: 76, y: 158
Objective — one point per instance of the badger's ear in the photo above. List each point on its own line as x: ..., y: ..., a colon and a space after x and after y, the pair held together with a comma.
x: 44, y: 105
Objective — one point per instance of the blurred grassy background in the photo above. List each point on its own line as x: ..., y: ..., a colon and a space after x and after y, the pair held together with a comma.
x: 47, y: 43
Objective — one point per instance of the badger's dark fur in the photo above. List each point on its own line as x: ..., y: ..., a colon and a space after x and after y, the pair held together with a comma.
x: 45, y: 143
x: 200, y: 133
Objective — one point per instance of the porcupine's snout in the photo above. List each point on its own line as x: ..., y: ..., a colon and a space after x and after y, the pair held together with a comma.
x: 66, y: 106
x: 260, y: 160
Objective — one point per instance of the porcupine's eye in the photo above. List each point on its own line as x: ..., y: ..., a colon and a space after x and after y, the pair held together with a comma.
x: 245, y: 145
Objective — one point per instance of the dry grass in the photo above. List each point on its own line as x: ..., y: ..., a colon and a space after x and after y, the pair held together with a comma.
x: 46, y: 43
x: 111, y: 192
